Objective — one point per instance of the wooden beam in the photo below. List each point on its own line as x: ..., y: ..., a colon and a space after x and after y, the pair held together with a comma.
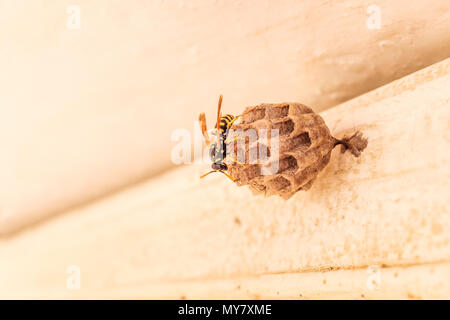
x: 83, y: 118
x: 176, y: 236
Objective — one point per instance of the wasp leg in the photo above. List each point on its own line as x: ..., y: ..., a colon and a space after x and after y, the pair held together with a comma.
x: 229, y: 177
x: 202, y: 120
x: 219, y: 115
x: 232, y: 159
x: 243, y: 114
x: 204, y: 175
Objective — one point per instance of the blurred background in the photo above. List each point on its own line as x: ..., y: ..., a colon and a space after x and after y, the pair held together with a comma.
x: 91, y: 91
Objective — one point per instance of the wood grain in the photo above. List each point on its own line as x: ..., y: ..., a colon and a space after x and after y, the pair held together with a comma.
x: 86, y: 112
x: 175, y: 235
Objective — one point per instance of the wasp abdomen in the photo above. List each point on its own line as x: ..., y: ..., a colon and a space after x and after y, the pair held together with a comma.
x: 225, y: 122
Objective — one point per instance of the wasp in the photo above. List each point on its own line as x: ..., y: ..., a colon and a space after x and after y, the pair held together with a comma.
x: 218, y: 149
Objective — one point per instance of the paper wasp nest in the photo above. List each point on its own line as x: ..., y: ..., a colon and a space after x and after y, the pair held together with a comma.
x: 304, y: 148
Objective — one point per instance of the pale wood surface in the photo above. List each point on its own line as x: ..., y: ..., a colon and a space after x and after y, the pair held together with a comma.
x: 85, y: 112
x: 176, y: 236
x: 425, y: 281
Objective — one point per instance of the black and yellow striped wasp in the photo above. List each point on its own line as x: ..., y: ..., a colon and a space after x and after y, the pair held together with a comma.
x: 218, y: 149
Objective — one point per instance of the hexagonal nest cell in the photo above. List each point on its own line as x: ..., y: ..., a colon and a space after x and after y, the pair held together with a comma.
x: 302, y: 150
